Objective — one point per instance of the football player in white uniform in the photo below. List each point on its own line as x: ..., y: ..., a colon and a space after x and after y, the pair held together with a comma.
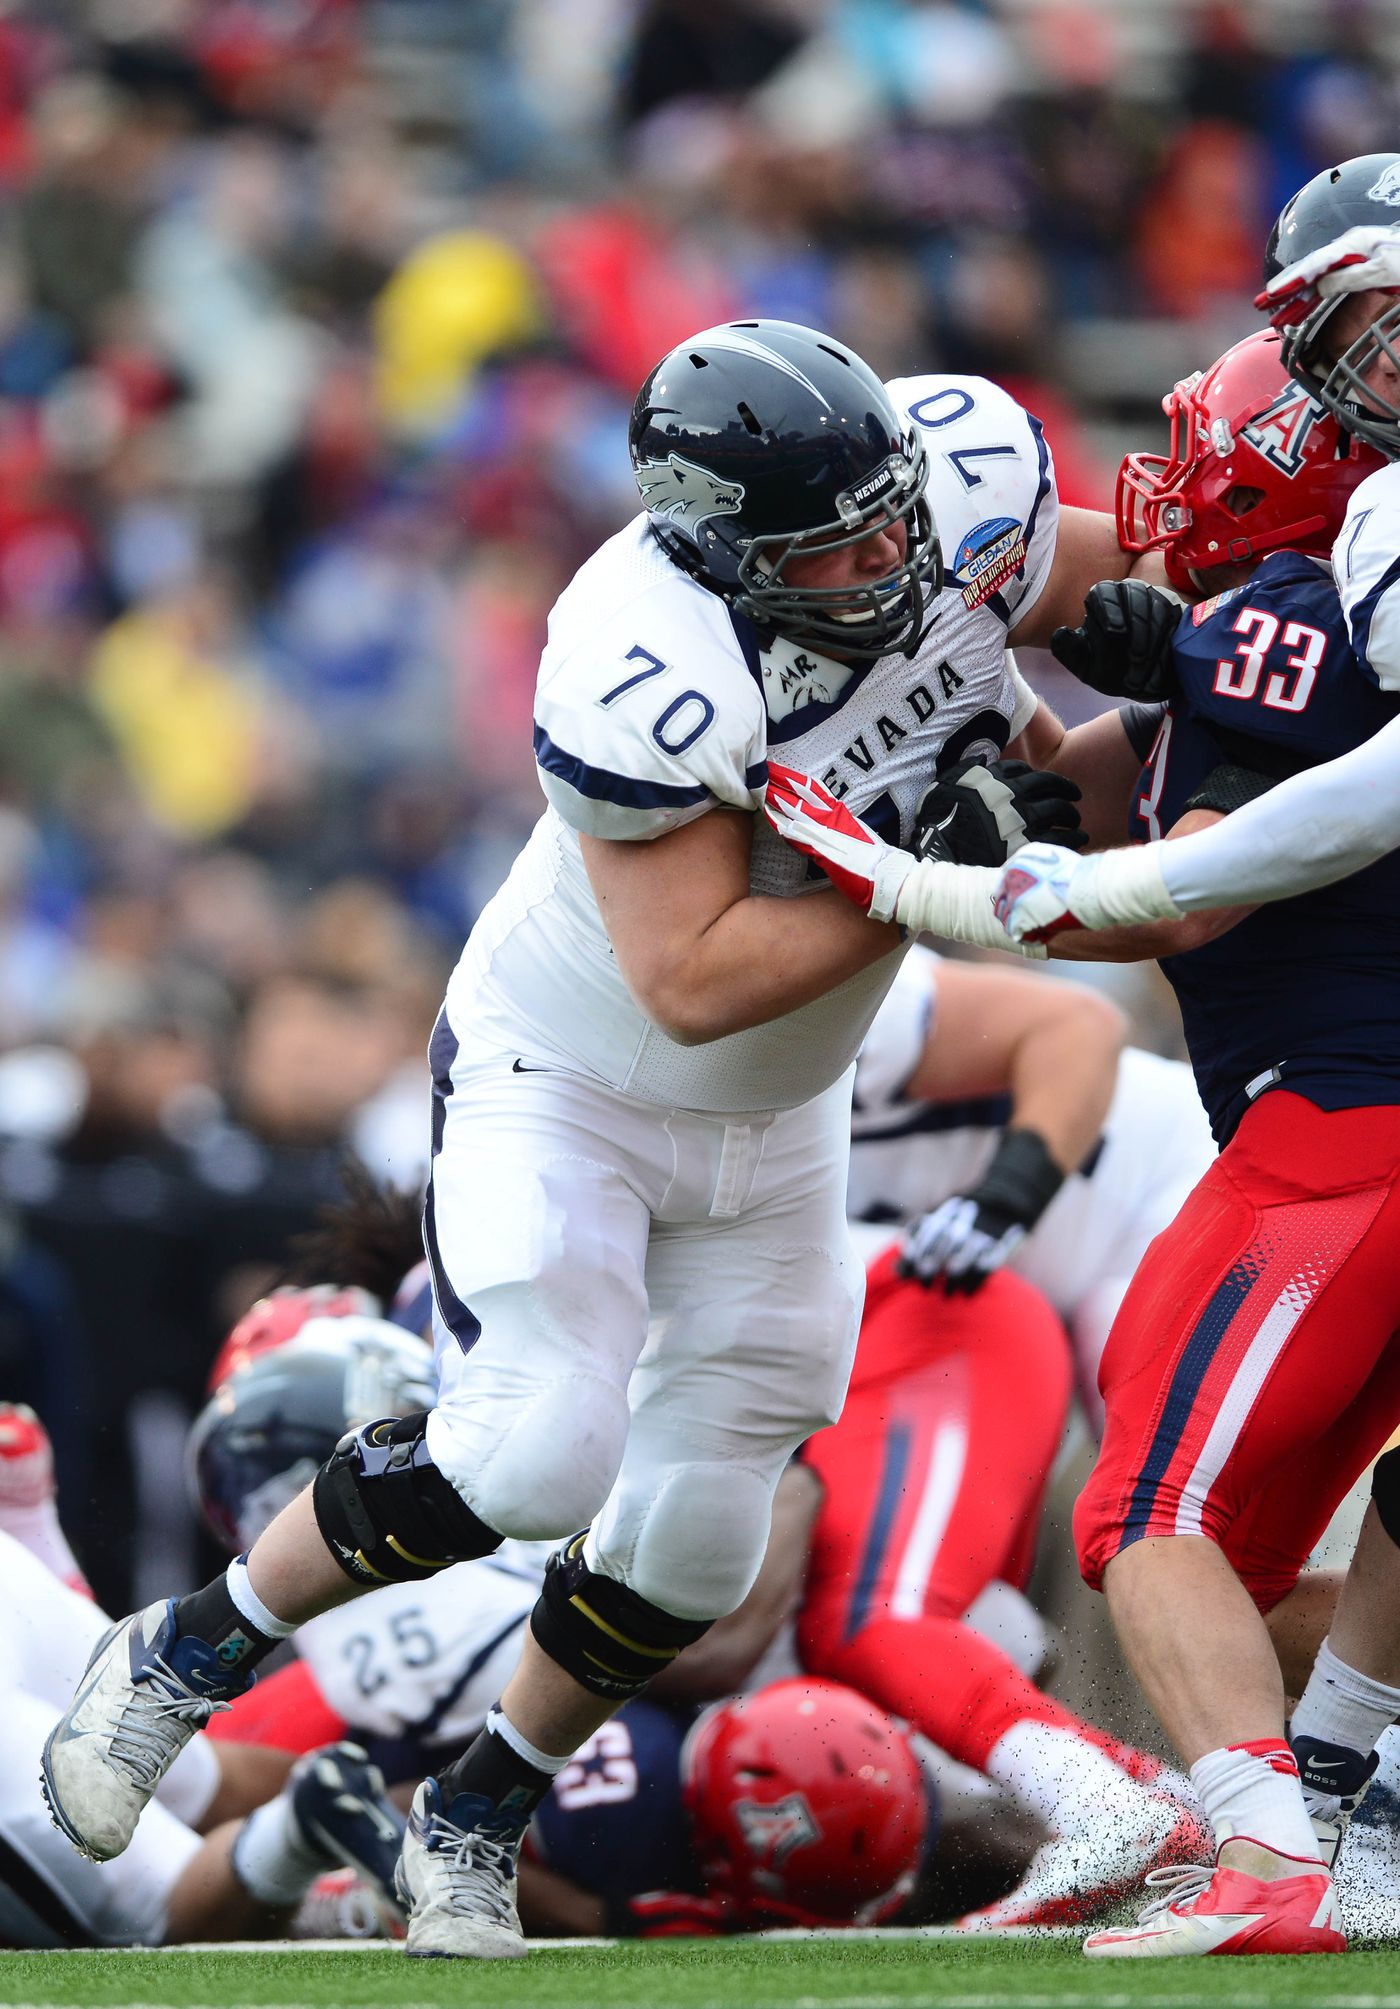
x: 642, y: 1069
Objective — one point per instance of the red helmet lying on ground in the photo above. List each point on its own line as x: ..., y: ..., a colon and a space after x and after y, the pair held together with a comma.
x: 807, y: 1804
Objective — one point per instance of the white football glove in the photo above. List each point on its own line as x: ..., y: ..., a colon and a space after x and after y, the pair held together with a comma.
x: 1362, y: 260
x: 961, y: 1242
x: 1045, y: 889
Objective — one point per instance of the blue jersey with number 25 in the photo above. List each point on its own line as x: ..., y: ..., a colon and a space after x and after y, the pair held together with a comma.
x: 1302, y: 994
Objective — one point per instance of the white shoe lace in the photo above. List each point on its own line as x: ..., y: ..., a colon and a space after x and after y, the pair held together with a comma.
x: 476, y: 1870
x: 1178, y: 1883
x: 144, y: 1742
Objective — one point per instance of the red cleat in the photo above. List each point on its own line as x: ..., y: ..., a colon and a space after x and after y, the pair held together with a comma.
x: 1224, y: 1910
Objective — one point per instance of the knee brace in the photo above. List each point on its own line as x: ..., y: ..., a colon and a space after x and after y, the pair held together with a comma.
x: 610, y: 1640
x: 385, y: 1511
x: 1385, y: 1491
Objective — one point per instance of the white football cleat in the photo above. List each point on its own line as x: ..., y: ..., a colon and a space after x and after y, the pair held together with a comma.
x: 144, y: 1695
x: 456, y: 1879
x: 1074, y: 1877
x: 1213, y: 1909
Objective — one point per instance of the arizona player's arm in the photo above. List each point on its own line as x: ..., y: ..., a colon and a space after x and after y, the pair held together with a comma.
x: 700, y: 953
x: 1149, y: 941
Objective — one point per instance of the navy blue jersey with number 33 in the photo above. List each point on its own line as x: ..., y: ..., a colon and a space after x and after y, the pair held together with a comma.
x: 1302, y: 994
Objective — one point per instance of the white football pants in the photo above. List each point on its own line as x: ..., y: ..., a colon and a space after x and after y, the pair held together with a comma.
x: 641, y: 1313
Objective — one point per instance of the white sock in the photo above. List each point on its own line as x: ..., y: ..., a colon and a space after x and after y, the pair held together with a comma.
x: 1064, y: 1779
x: 1341, y: 1706
x: 251, y: 1605
x: 1251, y: 1791
x: 543, y: 1761
x: 271, y: 1858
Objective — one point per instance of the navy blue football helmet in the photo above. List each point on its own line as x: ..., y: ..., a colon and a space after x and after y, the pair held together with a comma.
x: 1364, y: 190
x: 265, y: 1433
x: 759, y: 441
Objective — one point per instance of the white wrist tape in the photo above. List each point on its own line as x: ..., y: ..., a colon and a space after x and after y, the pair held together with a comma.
x: 1120, y: 889
x: 955, y: 902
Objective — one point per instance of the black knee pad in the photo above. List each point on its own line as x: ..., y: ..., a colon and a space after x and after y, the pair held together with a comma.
x: 1385, y: 1491
x: 385, y: 1511
x: 610, y: 1640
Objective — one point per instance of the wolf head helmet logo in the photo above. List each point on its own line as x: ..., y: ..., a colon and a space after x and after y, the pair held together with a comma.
x: 686, y: 492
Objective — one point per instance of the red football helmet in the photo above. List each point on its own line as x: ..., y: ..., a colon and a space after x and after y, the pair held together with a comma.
x: 1255, y: 465
x: 280, y: 1316
x: 807, y: 1806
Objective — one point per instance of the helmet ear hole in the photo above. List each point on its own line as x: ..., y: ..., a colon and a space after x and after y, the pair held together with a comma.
x: 1241, y: 500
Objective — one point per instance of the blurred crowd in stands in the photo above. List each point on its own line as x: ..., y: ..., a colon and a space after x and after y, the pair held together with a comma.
x: 319, y: 323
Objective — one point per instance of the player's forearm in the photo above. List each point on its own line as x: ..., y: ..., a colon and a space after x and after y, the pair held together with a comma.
x: 1063, y: 1074
x: 762, y: 958
x: 1147, y: 942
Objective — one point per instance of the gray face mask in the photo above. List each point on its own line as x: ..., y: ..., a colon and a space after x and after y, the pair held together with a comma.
x: 882, y: 618
x: 1342, y: 386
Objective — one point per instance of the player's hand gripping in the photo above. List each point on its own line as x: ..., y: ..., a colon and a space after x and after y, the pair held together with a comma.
x: 1124, y: 648
x: 1035, y: 895
x: 921, y: 894
x: 1362, y: 260
x: 959, y: 1244
x: 971, y: 1235
x: 818, y: 824
x: 980, y: 811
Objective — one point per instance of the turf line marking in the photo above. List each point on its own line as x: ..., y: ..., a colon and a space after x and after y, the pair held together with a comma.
x: 979, y: 2000
x: 1020, y: 2000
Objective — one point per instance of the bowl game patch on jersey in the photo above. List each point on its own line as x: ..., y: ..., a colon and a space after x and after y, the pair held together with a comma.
x: 991, y: 553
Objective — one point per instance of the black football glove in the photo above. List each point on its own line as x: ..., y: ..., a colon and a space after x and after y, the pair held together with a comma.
x: 969, y: 1237
x: 1124, y: 648
x: 980, y: 811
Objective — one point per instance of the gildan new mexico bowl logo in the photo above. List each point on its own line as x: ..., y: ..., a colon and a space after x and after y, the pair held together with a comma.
x: 686, y: 492
x: 1281, y: 430
x: 989, y: 555
x: 771, y: 1833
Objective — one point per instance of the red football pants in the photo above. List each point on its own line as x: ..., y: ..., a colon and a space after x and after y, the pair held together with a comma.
x: 1249, y: 1377
x: 934, y: 1478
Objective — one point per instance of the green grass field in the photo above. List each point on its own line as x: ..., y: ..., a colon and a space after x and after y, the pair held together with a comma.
x: 835, y: 1973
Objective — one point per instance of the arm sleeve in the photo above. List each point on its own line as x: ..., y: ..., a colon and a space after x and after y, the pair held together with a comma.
x: 633, y: 739
x: 1141, y: 724
x: 1366, y: 561
x: 1311, y: 830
